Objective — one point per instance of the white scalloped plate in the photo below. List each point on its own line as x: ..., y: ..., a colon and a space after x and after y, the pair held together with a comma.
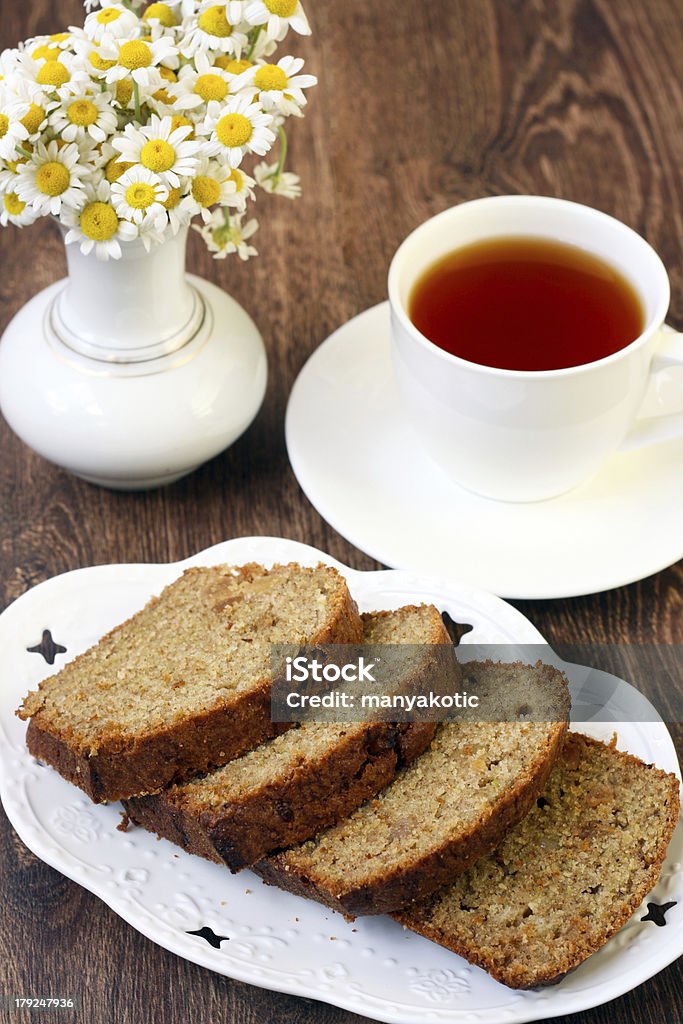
x: 273, y: 939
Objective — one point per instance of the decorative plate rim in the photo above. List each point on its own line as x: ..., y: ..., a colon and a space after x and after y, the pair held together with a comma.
x: 537, y: 1006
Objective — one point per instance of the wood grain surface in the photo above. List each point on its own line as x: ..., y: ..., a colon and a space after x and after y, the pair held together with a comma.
x: 420, y: 105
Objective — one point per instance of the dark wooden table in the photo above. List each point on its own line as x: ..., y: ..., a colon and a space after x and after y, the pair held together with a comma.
x: 420, y: 105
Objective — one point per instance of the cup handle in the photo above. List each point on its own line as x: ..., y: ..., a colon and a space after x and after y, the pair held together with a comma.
x: 655, y: 429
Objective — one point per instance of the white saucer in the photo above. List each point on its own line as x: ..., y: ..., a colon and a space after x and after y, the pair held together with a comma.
x: 361, y: 466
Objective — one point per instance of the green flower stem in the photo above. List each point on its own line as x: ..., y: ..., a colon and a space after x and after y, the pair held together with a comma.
x: 283, y: 152
x: 250, y: 51
x: 136, y: 97
x: 24, y: 152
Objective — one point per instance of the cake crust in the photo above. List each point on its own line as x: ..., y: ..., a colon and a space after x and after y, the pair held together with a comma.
x: 111, y: 761
x: 547, y: 899
x: 385, y: 884
x: 303, y: 789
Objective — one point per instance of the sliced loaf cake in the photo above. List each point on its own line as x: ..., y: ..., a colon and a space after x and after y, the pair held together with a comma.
x: 292, y: 787
x: 567, y: 877
x: 184, y: 685
x: 451, y: 806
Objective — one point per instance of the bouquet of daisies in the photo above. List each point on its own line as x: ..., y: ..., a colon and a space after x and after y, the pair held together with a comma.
x: 134, y: 124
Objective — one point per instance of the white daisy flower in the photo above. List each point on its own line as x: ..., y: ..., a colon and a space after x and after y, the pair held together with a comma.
x: 97, y: 226
x: 161, y: 149
x: 14, y: 211
x: 278, y: 183
x: 84, y: 113
x: 64, y: 40
x: 41, y: 48
x: 232, y: 65
x: 277, y: 16
x: 244, y: 187
x: 30, y: 107
x: 216, y: 27
x: 164, y: 14
x: 139, y: 60
x: 12, y: 134
x: 180, y: 209
x: 112, y: 21
x: 212, y: 185
x: 50, y: 75
x: 202, y: 83
x: 108, y: 161
x: 8, y: 176
x: 237, y: 128
x: 226, y: 234
x: 9, y: 64
x: 89, y: 59
x: 151, y: 232
x: 279, y: 86
x: 139, y: 194
x: 52, y: 178
x: 166, y: 96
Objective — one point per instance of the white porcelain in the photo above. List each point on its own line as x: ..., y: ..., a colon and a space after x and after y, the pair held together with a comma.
x: 523, y: 435
x: 270, y: 938
x: 368, y: 474
x: 131, y: 373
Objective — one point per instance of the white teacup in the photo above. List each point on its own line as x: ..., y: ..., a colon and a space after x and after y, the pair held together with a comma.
x: 518, y: 435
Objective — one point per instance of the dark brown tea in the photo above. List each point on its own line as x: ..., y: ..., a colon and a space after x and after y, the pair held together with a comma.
x: 526, y: 304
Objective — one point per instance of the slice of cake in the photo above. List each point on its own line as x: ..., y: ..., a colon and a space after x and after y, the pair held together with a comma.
x: 565, y: 879
x: 452, y: 805
x: 184, y: 685
x: 292, y: 787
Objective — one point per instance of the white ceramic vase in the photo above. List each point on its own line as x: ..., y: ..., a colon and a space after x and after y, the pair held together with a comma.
x: 131, y: 373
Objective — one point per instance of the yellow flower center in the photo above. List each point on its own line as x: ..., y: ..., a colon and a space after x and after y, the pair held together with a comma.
x: 59, y: 37
x: 157, y: 155
x: 234, y: 130
x: 33, y: 119
x: 53, y: 178
x: 82, y: 113
x: 270, y: 76
x: 236, y: 176
x: 164, y: 96
x: 232, y: 66
x: 114, y: 170
x: 206, y: 191
x: 124, y: 92
x: 214, y: 22
x: 4, y: 125
x: 140, y: 195
x: 99, y: 222
x: 174, y: 197
x: 13, y: 204
x: 99, y: 63
x: 46, y: 53
x: 211, y: 87
x: 162, y: 12
x: 52, y: 72
x: 168, y: 75
x: 178, y: 121
x: 135, y: 54
x: 107, y: 15
x: 283, y: 8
